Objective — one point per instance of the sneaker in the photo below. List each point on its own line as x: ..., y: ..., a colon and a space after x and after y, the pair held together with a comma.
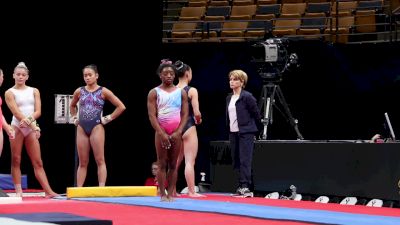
x: 243, y: 193
x: 238, y: 191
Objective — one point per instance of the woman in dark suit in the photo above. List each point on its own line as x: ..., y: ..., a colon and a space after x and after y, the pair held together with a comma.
x: 243, y: 116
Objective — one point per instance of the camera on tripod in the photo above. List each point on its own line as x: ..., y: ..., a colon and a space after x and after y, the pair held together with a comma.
x: 273, y: 59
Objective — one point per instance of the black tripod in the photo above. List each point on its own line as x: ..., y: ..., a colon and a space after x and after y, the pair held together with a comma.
x: 267, y: 101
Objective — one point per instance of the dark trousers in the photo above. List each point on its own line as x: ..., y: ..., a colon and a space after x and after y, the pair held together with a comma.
x: 242, y: 146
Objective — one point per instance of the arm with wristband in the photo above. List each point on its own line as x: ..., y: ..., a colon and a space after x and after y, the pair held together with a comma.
x: 73, y: 107
x: 119, y: 106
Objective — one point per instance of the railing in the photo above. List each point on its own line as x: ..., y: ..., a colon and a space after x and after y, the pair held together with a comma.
x: 384, y: 29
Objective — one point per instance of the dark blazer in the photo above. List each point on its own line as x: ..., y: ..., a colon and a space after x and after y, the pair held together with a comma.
x: 247, y: 111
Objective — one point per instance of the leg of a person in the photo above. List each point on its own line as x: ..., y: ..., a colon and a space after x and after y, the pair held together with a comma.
x: 234, y: 144
x: 246, y: 146
x: 1, y: 141
x: 162, y: 166
x: 97, y: 142
x: 16, y: 145
x: 190, y: 143
x: 178, y: 164
x: 180, y: 157
x: 83, y: 146
x: 173, y: 154
x: 33, y: 148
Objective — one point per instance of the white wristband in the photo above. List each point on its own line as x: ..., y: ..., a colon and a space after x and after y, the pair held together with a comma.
x: 75, y: 120
x: 106, y: 119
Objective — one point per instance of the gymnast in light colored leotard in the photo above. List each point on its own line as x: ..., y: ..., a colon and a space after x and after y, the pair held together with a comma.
x: 25, y: 105
x: 168, y: 111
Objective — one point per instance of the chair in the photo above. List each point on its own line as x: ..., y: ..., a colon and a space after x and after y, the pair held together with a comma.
x: 208, y: 29
x: 192, y: 13
x: 219, y: 3
x: 321, y: 9
x: 322, y: 199
x: 243, y: 2
x: 217, y: 12
x: 245, y: 12
x: 293, y: 10
x: 365, y: 21
x: 286, y: 27
x: 183, y: 31
x: 349, y: 201
x: 343, y: 8
x: 213, y: 19
x: 267, y: 12
x: 197, y: 3
x: 233, y: 29
x: 291, y: 1
x: 266, y: 2
x: 370, y: 5
x: 258, y: 28
x: 312, y: 26
x: 272, y: 195
x: 345, y: 26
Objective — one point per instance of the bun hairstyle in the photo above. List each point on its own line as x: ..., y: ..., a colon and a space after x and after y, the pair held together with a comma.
x: 92, y: 67
x: 181, y: 68
x: 22, y: 66
x: 165, y: 63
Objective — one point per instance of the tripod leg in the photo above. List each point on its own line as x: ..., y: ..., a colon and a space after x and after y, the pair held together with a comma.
x: 266, y: 118
x: 266, y: 104
x: 293, y: 122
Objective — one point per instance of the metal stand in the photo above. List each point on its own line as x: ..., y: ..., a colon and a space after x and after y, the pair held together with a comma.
x: 62, y: 116
x: 266, y: 103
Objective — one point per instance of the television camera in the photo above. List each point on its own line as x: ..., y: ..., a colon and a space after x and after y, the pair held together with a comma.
x: 273, y: 58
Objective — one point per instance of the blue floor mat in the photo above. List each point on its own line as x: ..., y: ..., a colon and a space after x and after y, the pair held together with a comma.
x: 257, y: 211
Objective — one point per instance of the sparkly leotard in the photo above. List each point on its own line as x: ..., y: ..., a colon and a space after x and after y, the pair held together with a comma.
x: 90, y: 109
x: 169, y: 109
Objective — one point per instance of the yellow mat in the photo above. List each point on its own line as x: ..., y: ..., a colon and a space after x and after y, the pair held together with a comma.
x: 114, y: 191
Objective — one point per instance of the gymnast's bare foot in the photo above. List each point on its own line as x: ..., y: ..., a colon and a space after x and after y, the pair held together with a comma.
x: 196, y: 195
x: 51, y: 195
x: 164, y: 198
x: 171, y: 198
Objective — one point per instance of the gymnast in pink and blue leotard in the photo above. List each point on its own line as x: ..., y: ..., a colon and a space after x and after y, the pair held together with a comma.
x: 169, y: 109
